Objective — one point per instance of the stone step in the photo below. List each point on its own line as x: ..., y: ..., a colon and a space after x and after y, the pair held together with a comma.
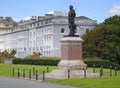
x: 73, y: 74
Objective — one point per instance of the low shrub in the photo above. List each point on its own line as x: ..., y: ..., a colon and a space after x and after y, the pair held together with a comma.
x: 104, y: 63
x: 54, y: 62
x: 44, y: 62
x: 1, y: 60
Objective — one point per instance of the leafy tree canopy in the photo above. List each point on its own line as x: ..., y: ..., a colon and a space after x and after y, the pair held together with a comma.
x: 104, y: 40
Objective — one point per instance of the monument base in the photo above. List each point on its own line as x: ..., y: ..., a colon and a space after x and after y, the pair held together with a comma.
x: 71, y: 64
x: 63, y: 74
x: 71, y: 60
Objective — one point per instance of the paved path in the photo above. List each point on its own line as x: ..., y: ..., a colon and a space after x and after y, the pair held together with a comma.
x: 22, y: 83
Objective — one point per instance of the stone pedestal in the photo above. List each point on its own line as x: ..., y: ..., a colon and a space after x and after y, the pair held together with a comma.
x: 63, y: 74
x: 71, y: 54
x: 71, y: 60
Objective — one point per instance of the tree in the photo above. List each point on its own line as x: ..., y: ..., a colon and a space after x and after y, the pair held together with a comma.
x: 6, y: 55
x: 34, y: 55
x: 95, y: 41
x: 114, y: 23
x: 103, y: 41
x: 12, y: 53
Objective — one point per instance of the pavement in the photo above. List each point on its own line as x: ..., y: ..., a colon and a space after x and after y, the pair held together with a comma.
x: 7, y: 82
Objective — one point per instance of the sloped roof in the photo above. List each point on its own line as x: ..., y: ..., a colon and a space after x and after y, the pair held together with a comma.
x: 84, y: 17
x: 8, y: 22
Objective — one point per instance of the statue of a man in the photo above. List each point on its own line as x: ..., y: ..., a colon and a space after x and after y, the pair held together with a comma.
x: 71, y: 19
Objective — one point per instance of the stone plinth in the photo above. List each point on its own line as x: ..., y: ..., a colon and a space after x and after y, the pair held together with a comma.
x: 71, y: 54
x: 72, y: 65
x: 63, y: 74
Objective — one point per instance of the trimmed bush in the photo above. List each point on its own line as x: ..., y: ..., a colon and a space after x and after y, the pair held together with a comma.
x: 104, y: 63
x: 50, y: 62
x: 54, y: 62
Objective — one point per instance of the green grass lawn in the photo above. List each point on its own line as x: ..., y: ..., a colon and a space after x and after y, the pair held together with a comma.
x: 104, y: 82
x: 6, y: 69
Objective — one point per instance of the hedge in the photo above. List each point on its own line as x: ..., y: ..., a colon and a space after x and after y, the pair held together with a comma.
x: 104, y: 63
x: 50, y: 62
x: 54, y: 62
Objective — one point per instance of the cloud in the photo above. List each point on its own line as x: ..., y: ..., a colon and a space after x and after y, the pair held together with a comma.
x: 18, y: 19
x: 115, y: 10
x: 26, y: 18
x: 52, y: 12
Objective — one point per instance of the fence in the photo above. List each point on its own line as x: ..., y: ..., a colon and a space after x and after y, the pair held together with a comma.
x: 34, y: 74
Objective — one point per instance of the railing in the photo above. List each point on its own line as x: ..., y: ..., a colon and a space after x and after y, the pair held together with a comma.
x: 34, y: 74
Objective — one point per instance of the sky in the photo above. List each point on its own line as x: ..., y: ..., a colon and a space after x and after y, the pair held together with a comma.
x: 95, y: 9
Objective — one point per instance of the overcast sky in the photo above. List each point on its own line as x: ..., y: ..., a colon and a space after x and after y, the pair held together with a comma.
x: 94, y: 9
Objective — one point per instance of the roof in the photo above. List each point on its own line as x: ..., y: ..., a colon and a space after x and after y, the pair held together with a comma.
x: 8, y: 22
x: 83, y: 17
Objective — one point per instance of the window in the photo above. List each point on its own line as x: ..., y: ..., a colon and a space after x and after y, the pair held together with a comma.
x: 34, y: 24
x: 87, y: 29
x: 62, y: 30
x: 34, y: 42
x: 50, y: 30
x: 30, y: 25
x: 25, y: 27
x: 34, y: 34
x: 30, y: 33
x: 46, y: 22
x: 50, y: 21
x: 42, y: 23
x: 37, y: 24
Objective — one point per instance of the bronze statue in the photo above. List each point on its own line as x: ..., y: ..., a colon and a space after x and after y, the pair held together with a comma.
x: 71, y: 19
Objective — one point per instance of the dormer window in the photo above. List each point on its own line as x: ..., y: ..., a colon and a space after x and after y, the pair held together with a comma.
x: 62, y: 30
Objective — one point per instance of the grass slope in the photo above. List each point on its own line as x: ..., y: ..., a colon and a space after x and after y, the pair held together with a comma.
x: 105, y: 82
x: 6, y: 69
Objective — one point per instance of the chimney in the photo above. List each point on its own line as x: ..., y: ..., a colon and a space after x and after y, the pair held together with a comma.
x: 49, y: 15
x: 8, y: 18
x: 40, y: 18
x: 33, y: 18
x: 1, y: 18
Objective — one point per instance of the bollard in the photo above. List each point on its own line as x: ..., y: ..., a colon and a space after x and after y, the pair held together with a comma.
x: 33, y: 70
x: 47, y: 68
x: 13, y: 72
x: 115, y: 71
x: 36, y: 75
x: 101, y: 71
x: 24, y: 73
x: 68, y: 73
x: 93, y: 68
x: 43, y: 75
x: 110, y: 70
x: 18, y: 72
x: 29, y: 73
x: 102, y: 66
x: 84, y: 73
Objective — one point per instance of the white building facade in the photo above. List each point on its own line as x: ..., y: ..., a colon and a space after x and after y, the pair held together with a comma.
x: 42, y: 34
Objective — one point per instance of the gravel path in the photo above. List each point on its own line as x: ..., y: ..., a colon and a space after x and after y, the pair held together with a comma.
x: 6, y: 82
